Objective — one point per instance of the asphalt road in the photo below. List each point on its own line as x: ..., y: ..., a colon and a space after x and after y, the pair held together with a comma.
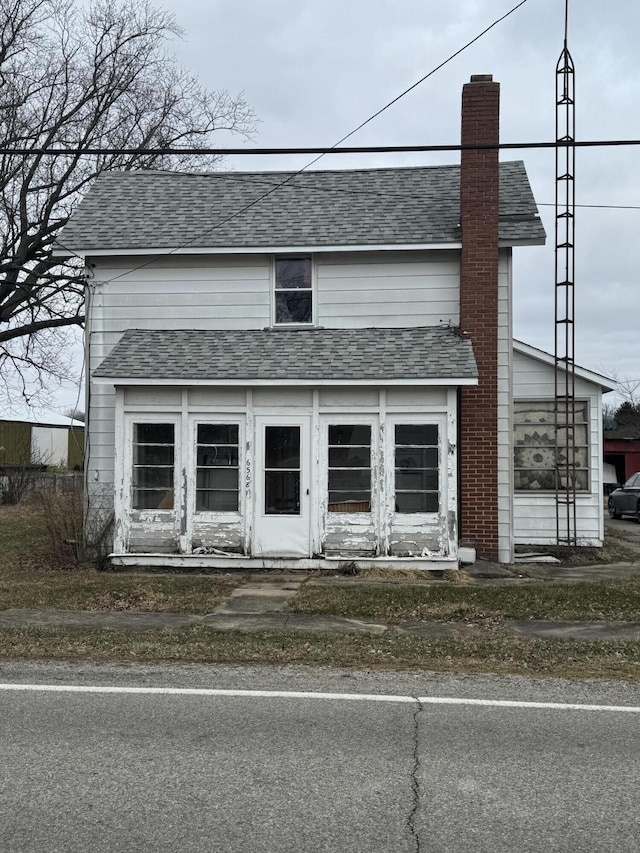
x: 628, y: 525
x: 169, y: 771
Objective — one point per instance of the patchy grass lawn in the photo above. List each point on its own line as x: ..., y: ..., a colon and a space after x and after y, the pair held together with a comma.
x: 32, y: 579
x: 494, y: 652
x: 617, y: 600
x: 618, y: 547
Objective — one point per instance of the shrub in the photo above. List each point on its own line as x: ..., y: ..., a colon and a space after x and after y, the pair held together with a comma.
x: 62, y: 520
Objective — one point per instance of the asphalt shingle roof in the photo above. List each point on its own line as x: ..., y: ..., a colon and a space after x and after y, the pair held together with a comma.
x: 273, y: 354
x: 364, y: 207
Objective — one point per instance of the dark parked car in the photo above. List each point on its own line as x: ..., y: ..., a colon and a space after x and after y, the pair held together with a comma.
x: 626, y: 499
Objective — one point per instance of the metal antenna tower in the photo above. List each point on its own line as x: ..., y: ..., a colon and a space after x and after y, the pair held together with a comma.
x: 565, y: 415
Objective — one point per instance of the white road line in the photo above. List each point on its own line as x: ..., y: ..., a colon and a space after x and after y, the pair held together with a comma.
x: 295, y: 694
x: 204, y: 691
x: 508, y: 703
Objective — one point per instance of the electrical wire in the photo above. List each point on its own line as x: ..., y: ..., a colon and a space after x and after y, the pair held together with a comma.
x: 322, y: 154
x: 422, y: 79
x: 251, y: 178
x: 323, y: 150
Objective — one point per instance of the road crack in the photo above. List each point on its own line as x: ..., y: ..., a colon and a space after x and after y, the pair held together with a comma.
x: 415, y: 784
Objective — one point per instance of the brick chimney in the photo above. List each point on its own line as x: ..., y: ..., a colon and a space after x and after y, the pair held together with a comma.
x: 479, y: 188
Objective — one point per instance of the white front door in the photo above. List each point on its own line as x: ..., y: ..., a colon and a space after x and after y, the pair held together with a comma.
x: 281, y: 523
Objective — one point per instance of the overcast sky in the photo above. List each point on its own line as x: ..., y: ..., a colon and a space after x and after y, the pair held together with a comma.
x: 315, y: 69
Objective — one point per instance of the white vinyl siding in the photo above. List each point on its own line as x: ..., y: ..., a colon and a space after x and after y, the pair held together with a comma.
x: 505, y: 393
x: 387, y: 289
x: 535, y: 512
x: 353, y: 289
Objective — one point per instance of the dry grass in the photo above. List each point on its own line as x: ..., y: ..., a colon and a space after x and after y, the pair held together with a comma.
x: 31, y: 578
x: 493, y: 651
x: 617, y: 600
x: 618, y: 548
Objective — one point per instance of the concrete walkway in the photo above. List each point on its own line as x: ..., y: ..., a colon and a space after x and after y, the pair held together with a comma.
x: 258, y: 605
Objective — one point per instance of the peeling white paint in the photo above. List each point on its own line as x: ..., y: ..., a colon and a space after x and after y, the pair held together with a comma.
x: 382, y: 532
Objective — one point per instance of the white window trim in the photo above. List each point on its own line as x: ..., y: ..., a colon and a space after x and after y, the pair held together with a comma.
x: 346, y: 418
x: 314, y: 291
x: 192, y: 470
x: 436, y: 420
x: 130, y: 420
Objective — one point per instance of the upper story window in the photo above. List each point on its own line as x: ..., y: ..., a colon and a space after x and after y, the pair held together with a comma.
x: 293, y: 291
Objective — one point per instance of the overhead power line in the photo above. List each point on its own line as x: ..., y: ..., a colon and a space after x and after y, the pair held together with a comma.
x: 429, y: 74
x: 335, y: 146
x: 319, y: 149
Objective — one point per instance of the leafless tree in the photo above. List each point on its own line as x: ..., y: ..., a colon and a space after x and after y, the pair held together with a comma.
x: 76, y: 414
x: 627, y: 396
x: 629, y: 391
x: 81, y: 77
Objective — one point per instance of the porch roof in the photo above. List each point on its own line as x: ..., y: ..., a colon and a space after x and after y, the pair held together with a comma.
x: 431, y: 354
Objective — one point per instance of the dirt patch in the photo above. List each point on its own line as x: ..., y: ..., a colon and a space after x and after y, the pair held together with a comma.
x: 619, y: 547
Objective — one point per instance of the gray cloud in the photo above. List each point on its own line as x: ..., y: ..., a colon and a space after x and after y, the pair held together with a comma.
x: 314, y: 70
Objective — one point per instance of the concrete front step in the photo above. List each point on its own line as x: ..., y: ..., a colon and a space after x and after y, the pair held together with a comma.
x: 263, y: 597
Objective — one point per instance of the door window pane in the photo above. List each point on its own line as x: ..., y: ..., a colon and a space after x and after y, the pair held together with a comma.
x: 282, y: 470
x: 349, y: 468
x: 217, y: 468
x: 152, y: 475
x: 282, y: 447
x: 416, y: 468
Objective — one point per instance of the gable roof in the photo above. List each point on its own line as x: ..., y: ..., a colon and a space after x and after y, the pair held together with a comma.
x: 288, y: 356
x: 39, y: 417
x: 142, y: 210
x: 546, y: 358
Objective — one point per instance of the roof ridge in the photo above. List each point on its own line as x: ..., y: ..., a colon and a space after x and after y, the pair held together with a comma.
x: 294, y: 172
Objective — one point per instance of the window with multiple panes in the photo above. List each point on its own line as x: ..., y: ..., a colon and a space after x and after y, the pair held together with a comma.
x: 540, y: 452
x: 350, y: 468
x: 153, y: 466
x: 416, y: 461
x: 217, y: 468
x: 416, y: 468
x: 293, y: 291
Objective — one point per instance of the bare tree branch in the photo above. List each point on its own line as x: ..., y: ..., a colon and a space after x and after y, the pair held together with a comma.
x: 82, y: 77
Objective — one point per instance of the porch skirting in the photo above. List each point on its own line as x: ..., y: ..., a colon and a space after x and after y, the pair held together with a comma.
x: 193, y: 562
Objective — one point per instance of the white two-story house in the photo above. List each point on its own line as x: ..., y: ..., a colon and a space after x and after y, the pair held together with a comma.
x: 288, y: 369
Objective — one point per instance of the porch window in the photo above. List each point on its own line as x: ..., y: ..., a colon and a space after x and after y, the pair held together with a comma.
x: 293, y: 291
x: 218, y: 469
x: 416, y: 468
x: 350, y: 468
x: 153, y: 466
x: 540, y: 452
